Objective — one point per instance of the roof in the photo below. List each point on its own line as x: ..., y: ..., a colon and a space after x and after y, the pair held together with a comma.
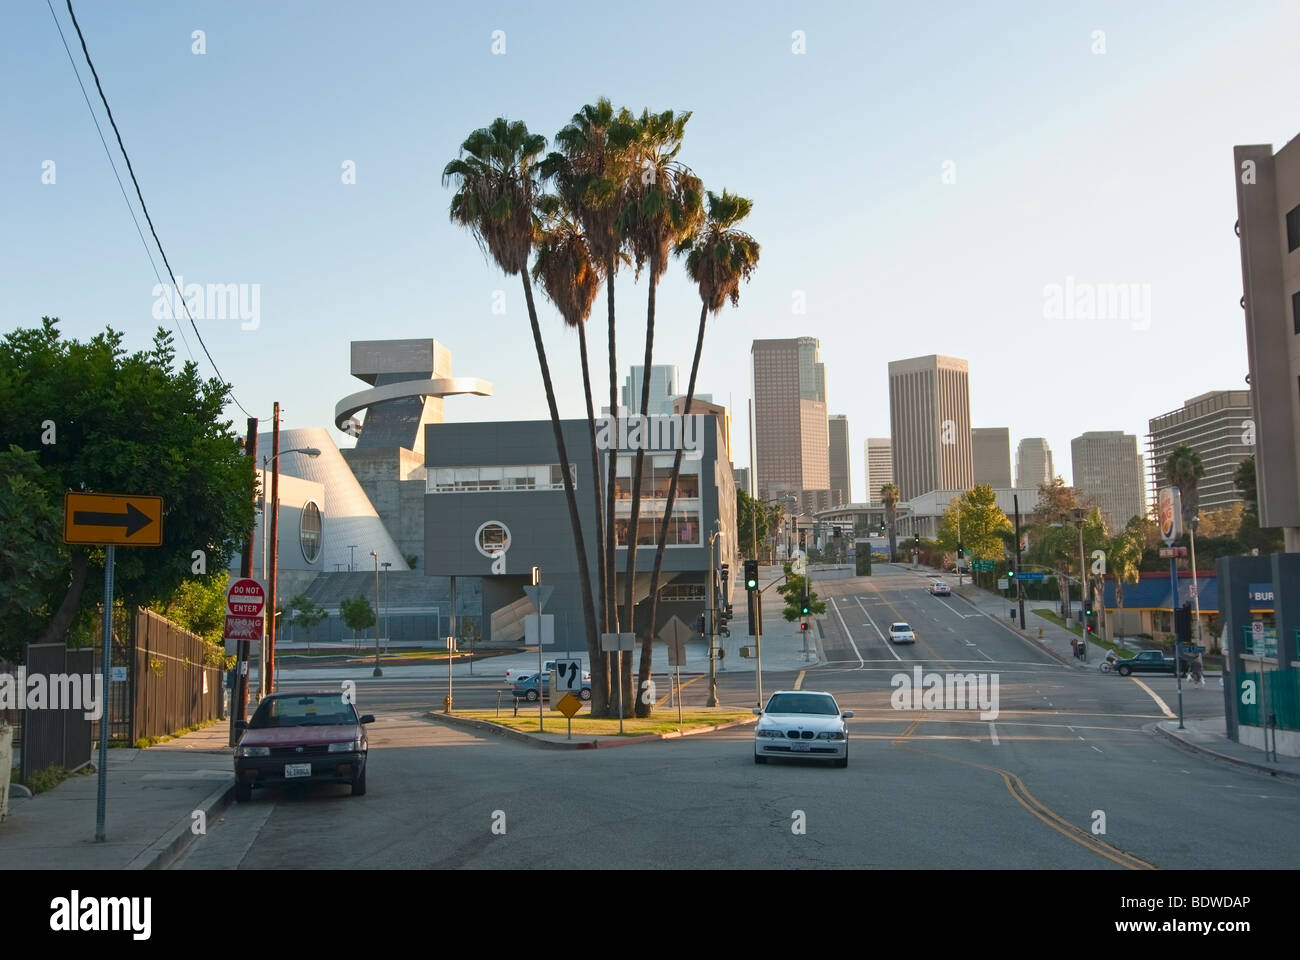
x: 1152, y: 592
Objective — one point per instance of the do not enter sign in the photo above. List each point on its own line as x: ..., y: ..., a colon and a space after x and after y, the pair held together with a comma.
x: 245, y: 598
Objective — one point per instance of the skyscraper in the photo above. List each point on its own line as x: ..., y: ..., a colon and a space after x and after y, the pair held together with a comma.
x: 929, y: 419
x: 841, y: 482
x: 663, y: 387
x: 1106, y: 467
x: 992, y: 446
x: 791, y: 434
x: 1218, y: 425
x: 1034, y: 463
x: 880, y: 466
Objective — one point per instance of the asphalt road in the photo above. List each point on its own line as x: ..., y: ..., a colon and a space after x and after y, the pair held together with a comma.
x: 1066, y: 776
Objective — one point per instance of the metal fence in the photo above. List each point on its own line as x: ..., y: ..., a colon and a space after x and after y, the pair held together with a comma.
x: 56, y: 731
x: 1276, y: 694
x: 168, y: 685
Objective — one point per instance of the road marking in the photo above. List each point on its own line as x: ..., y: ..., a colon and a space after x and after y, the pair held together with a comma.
x: 798, y: 681
x: 993, y: 732
x: 664, y: 699
x: 1154, y: 696
x: 1098, y: 749
x: 887, y: 644
x: 856, y: 652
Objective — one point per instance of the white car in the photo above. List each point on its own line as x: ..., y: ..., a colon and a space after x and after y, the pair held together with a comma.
x: 940, y: 589
x: 901, y: 633
x: 802, y: 723
x: 515, y: 674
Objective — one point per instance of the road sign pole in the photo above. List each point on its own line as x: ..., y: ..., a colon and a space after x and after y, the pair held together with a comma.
x: 101, y: 800
x: 679, y: 693
x: 1178, y: 659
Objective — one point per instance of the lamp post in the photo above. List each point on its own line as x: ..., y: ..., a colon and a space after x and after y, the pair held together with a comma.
x: 387, y: 633
x: 266, y: 657
x: 378, y: 672
x: 711, y: 623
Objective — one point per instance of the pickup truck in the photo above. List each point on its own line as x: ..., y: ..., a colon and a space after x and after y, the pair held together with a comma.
x: 1148, y: 661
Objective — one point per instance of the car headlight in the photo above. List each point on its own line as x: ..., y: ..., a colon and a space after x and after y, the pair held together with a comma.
x: 254, y: 751
x: 770, y: 733
x: 348, y: 746
x: 831, y: 735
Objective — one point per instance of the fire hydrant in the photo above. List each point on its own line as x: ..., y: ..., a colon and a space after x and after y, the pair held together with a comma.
x: 446, y: 704
x: 1040, y: 633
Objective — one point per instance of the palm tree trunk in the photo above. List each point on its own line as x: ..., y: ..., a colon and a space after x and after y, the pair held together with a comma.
x: 575, y: 521
x: 597, y: 487
x: 647, y: 641
x: 634, y: 539
x: 611, y: 474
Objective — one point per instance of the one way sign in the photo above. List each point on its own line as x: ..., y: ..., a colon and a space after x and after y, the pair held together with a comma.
x: 132, y: 521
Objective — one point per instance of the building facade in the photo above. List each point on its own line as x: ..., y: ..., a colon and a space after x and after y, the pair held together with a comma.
x: 922, y: 515
x: 663, y: 387
x: 841, y: 481
x: 880, y: 466
x: 1220, y: 426
x: 992, y: 447
x: 791, y: 432
x: 929, y: 418
x: 1107, y: 468
x: 1034, y: 463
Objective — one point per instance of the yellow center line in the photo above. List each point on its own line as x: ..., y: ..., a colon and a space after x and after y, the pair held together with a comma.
x: 664, y: 699
x: 1156, y: 697
x: 798, y: 681
x: 898, y: 618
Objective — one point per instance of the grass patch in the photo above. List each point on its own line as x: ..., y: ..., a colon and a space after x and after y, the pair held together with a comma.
x: 1120, y: 651
x: 144, y: 743
x: 663, y: 720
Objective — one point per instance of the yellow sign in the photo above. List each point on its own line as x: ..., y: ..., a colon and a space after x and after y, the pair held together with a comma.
x: 103, y: 518
x: 569, y: 705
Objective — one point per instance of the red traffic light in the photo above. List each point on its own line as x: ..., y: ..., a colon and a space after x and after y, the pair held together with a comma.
x: 803, y: 626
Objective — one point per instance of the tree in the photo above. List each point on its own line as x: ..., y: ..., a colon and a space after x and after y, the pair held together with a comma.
x: 306, y: 614
x: 1249, y: 533
x: 749, y: 512
x: 718, y: 257
x: 199, y: 605
x: 357, y: 613
x: 99, y: 419
x: 495, y: 195
x: 32, y: 557
x: 792, y: 592
x: 983, y: 526
x: 1124, y: 558
x: 889, y: 496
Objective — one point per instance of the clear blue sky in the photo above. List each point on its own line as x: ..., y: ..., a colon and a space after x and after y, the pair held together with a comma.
x: 1108, y: 168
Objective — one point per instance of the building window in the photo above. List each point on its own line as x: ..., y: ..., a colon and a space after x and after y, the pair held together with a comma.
x: 1293, y: 229
x: 498, y: 479
x: 683, y: 529
x: 1295, y: 311
x: 492, y: 538
x: 693, y: 592
x: 309, y: 532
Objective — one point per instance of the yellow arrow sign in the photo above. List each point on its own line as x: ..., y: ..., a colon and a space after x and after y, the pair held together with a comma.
x: 103, y: 518
x: 569, y: 705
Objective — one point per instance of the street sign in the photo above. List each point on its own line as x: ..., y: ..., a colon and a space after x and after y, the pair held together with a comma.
x: 119, y: 675
x: 1003, y: 584
x: 1192, y: 649
x: 799, y: 566
x: 675, y: 634
x: 1170, y: 514
x: 1257, y: 630
x: 614, y: 642
x: 539, y: 627
x: 104, y: 518
x: 1036, y: 575
x: 1167, y: 552
x: 568, y: 676
x: 245, y: 598
x: 539, y: 593
x: 568, y: 705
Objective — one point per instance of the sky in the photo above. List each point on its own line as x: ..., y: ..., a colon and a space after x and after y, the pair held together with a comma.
x: 922, y: 175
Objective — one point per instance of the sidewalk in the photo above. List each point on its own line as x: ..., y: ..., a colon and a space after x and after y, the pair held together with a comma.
x: 152, y: 796
x: 1209, y: 737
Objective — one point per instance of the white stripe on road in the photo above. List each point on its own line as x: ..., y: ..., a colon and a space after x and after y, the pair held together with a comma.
x: 845, y: 626
x: 993, y: 732
x: 879, y: 634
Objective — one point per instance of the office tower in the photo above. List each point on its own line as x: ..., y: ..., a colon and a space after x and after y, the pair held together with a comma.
x: 992, y: 446
x: 1033, y: 464
x: 929, y: 419
x: 663, y: 388
x: 880, y: 466
x: 1107, y: 468
x: 1218, y: 425
x: 841, y: 482
x: 791, y: 434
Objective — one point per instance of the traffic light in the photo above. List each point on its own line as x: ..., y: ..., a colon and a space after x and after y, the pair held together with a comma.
x: 751, y: 574
x: 916, y: 540
x: 803, y: 626
x: 961, y: 551
x: 1183, y: 623
x: 701, y: 626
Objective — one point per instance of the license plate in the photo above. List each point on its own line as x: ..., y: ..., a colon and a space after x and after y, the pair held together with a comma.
x: 292, y: 770
x: 801, y: 747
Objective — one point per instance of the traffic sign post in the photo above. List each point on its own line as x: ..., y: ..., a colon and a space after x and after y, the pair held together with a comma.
x: 674, y: 633
x: 110, y: 520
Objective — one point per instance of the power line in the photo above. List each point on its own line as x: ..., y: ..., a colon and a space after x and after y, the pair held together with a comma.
x: 130, y: 170
x: 130, y: 209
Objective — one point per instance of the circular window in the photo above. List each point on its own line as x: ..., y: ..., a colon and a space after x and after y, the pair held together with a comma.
x: 492, y: 538
x: 309, y: 531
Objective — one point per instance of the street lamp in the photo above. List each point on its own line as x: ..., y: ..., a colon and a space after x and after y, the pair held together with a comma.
x: 712, y: 619
x: 266, y: 658
x: 387, y: 631
x: 378, y: 672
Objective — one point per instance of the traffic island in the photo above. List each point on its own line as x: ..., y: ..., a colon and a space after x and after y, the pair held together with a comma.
x: 591, y: 733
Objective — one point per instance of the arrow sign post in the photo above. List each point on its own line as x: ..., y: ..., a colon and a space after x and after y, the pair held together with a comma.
x: 674, y: 634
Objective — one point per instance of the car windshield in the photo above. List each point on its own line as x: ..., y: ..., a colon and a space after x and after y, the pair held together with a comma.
x: 308, y: 711
x: 818, y: 704
x: 901, y: 628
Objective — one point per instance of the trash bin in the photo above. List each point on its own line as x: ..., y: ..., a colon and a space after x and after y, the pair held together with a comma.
x: 1013, y: 613
x: 6, y: 761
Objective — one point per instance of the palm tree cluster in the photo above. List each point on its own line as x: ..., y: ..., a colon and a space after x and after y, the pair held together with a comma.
x: 612, y: 194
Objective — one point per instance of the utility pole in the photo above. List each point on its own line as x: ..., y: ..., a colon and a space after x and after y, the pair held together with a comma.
x: 1020, y: 585
x: 239, y: 684
x: 377, y: 672
x: 271, y: 604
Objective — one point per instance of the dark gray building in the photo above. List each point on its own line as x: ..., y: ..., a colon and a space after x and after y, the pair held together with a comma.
x: 841, y: 479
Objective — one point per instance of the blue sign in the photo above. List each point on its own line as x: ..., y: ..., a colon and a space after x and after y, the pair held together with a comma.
x: 1260, y: 593
x: 1031, y: 576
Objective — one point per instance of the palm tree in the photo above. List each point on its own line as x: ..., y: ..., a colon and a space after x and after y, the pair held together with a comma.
x: 889, y: 496
x: 495, y: 181
x: 664, y: 207
x: 1124, y: 559
x: 1185, y: 471
x: 718, y: 256
x: 591, y: 172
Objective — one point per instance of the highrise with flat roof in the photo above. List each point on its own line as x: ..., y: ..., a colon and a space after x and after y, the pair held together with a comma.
x: 791, y: 432
x: 1218, y: 425
x: 929, y: 420
x: 880, y: 466
x: 1033, y: 463
x: 1105, y: 466
x: 663, y: 387
x: 992, y: 446
x: 841, y: 482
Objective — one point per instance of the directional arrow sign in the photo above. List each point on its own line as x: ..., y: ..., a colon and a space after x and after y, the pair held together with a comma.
x: 539, y: 593
x: 675, y: 633
x: 102, y: 518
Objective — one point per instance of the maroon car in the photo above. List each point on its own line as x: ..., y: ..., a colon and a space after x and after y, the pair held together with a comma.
x: 302, y: 737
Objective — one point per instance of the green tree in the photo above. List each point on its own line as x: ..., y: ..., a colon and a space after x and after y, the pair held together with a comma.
x: 32, y: 556
x: 719, y: 255
x: 792, y: 592
x: 495, y: 180
x: 199, y: 605
x: 357, y: 613
x: 1251, y: 536
x: 983, y: 526
x: 749, y: 512
x: 101, y: 420
x: 1124, y: 559
x: 306, y: 614
x: 889, y: 496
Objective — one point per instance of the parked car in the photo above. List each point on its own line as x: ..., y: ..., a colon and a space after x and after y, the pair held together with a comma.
x: 515, y: 674
x: 1148, y: 661
x: 302, y: 737
x: 940, y: 589
x: 901, y: 633
x: 526, y: 688
x: 802, y: 723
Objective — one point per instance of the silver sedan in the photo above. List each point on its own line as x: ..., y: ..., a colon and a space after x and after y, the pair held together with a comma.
x: 802, y: 723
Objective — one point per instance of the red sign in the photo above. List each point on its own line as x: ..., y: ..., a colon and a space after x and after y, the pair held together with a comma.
x: 243, y: 628
x: 1168, y: 552
x: 245, y: 598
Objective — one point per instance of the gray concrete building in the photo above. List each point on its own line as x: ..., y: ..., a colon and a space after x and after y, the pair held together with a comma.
x: 880, y: 466
x: 663, y: 388
x: 1220, y: 426
x: 929, y: 420
x: 1107, y: 468
x: 841, y: 480
x: 1034, y: 465
x: 992, y: 451
x: 1268, y: 223
x: 791, y: 431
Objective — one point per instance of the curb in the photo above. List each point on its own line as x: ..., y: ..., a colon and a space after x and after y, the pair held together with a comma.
x: 488, y: 726
x: 160, y: 854
x: 1178, y: 741
x: 1021, y: 634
